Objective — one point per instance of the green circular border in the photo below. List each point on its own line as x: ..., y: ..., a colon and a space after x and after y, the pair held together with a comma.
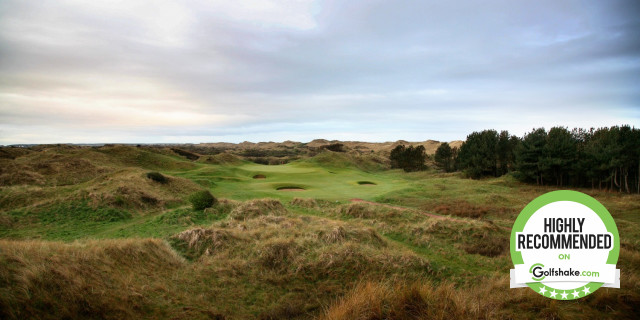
x: 565, y: 195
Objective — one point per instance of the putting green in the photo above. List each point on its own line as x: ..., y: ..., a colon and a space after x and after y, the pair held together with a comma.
x: 330, y: 183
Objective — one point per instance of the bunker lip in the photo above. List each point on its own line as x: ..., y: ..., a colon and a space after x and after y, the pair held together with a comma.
x: 290, y: 188
x: 367, y: 183
x: 259, y: 176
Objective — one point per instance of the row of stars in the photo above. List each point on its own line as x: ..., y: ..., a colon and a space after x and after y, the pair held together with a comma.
x: 564, y: 294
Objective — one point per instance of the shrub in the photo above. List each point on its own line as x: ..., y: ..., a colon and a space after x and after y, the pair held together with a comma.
x: 202, y: 199
x: 157, y: 177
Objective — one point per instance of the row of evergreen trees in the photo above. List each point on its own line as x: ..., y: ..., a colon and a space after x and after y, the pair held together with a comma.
x: 605, y: 158
x: 408, y: 158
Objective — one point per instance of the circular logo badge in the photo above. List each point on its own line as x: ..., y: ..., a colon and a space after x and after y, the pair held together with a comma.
x: 565, y: 246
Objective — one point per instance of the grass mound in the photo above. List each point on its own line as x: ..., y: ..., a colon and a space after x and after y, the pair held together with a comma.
x: 221, y: 159
x: 368, y: 211
x: 259, y: 207
x: 277, y: 254
x: 372, y: 300
x: 48, y: 169
x: 367, y: 183
x: 462, y: 209
x: 109, y: 279
x: 340, y: 234
x: 304, y: 203
x: 147, y: 158
x: 13, y: 175
x: 487, y: 243
x: 488, y: 299
x: 157, y: 177
x: 187, y: 154
x: 196, y: 242
x: 290, y: 266
x: 131, y: 189
x: 12, y: 153
x: 337, y: 160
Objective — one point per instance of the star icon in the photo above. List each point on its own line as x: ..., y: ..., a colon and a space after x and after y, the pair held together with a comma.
x: 542, y: 290
x: 553, y: 294
x: 564, y: 295
x: 586, y: 290
x: 576, y: 294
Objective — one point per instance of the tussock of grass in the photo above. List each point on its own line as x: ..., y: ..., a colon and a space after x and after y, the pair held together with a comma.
x: 487, y: 243
x: 491, y: 298
x: 304, y: 203
x: 96, y: 279
x: 277, y: 254
x: 259, y: 207
x: 340, y: 234
x: 368, y: 211
x: 462, y: 209
x: 223, y: 206
x: 193, y: 243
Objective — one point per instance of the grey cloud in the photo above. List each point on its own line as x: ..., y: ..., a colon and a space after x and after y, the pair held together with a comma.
x: 364, y: 63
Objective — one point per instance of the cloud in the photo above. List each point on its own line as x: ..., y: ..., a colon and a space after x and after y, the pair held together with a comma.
x: 191, y: 71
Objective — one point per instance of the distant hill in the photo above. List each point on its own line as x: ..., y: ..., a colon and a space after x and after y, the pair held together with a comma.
x: 353, y: 146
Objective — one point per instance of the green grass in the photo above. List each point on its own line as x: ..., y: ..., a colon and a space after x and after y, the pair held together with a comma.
x: 80, y: 221
x: 292, y: 261
x: 330, y: 183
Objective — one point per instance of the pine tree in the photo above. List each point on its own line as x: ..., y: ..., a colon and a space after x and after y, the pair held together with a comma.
x: 444, y: 157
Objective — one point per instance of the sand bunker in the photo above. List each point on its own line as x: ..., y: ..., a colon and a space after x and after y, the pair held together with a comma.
x: 366, y: 183
x: 290, y: 188
x: 259, y: 176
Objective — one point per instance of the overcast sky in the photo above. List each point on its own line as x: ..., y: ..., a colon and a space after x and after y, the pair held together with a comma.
x: 207, y: 71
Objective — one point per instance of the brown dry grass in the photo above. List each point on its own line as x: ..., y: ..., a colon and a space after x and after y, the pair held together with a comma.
x: 462, y: 209
x: 490, y: 298
x: 129, y: 188
x: 222, y: 158
x: 95, y: 279
x: 259, y: 207
x: 304, y: 202
x: 369, y: 211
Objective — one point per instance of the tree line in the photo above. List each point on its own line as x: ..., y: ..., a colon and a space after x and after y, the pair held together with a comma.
x: 604, y: 158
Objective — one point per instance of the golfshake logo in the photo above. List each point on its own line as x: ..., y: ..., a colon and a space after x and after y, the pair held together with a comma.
x: 564, y: 245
